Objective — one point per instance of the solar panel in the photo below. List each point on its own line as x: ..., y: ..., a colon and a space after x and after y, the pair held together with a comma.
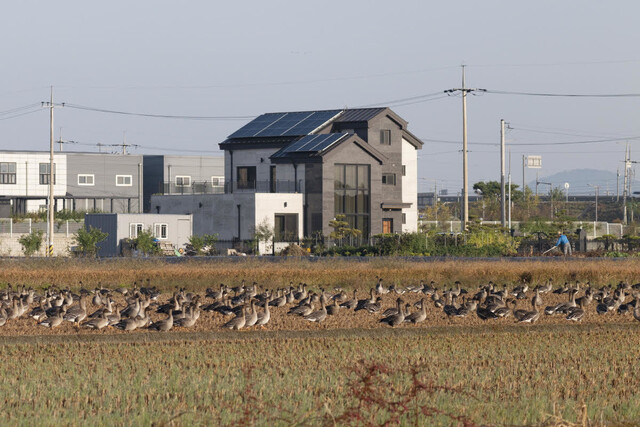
x: 284, y: 124
x: 311, y: 144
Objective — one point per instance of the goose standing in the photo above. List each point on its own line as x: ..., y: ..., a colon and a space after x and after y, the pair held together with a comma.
x: 418, y: 316
x: 397, y: 318
x: 163, y: 325
x: 319, y: 315
x: 265, y: 316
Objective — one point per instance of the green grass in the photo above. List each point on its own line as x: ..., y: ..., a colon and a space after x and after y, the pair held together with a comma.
x: 497, y: 375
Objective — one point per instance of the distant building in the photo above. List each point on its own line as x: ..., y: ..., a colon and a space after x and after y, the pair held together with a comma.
x: 361, y: 163
x: 101, y: 182
x: 172, y: 230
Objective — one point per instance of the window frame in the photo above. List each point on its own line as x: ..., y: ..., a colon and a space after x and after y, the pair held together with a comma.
x: 220, y: 180
x: 86, y: 175
x: 162, y: 225
x: 248, y: 184
x: 5, y: 177
x: 43, y: 178
x: 385, y: 136
x: 133, y: 232
x: 130, y: 184
x: 386, y: 176
x: 185, y: 180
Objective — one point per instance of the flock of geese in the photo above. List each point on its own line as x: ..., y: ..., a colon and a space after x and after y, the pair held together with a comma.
x: 248, y: 306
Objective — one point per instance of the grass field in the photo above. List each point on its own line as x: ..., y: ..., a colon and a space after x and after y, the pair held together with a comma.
x: 349, y: 370
x: 502, y: 375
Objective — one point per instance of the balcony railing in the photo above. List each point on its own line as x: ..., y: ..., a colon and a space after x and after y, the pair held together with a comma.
x: 283, y: 186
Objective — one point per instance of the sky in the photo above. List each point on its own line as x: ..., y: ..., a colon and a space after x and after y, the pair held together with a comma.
x: 222, y: 63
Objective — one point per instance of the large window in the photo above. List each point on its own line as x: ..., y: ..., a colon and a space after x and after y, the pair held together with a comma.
x: 246, y: 177
x: 123, y: 180
x: 351, y: 195
x: 286, y: 227
x: 86, y: 179
x: 7, y: 173
x: 160, y: 231
x: 183, y: 181
x: 44, y: 173
x: 134, y: 229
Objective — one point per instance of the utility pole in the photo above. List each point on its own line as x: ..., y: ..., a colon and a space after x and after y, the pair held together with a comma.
x: 51, y: 208
x: 509, y: 188
x: 464, y: 218
x: 617, y: 185
x: 627, y: 166
x: 523, y: 163
x: 503, y: 214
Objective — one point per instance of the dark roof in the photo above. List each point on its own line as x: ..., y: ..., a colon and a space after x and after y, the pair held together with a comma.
x: 359, y: 114
x: 296, y: 123
x: 310, y: 144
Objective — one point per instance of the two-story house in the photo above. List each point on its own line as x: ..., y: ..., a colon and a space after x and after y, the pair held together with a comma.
x: 361, y: 163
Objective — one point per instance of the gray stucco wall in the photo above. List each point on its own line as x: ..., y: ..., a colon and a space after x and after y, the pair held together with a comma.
x: 104, y: 194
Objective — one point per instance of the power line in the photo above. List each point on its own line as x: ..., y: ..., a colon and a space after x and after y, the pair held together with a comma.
x: 566, y: 95
x: 159, y: 116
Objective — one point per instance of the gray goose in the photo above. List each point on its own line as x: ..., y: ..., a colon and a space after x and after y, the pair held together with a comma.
x: 253, y: 316
x: 530, y: 316
x: 397, y: 318
x: 237, y: 322
x: 97, y: 322
x: 264, y: 317
x: 55, y: 320
x: 163, y: 325
x: 319, y: 315
x: 418, y: 316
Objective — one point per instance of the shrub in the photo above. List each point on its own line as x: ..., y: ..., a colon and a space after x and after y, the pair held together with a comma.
x: 31, y: 242
x: 87, y: 240
x: 146, y: 243
x: 202, y: 245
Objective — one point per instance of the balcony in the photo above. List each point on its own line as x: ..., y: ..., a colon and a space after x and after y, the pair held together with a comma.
x: 206, y: 187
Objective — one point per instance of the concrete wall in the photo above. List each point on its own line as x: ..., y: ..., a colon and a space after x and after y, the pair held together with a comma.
x: 218, y: 213
x: 9, y: 246
x: 410, y: 186
x: 28, y: 176
x: 105, y: 194
x: 117, y: 226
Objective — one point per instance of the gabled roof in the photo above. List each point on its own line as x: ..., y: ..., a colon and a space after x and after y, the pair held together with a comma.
x: 280, y: 129
x: 312, y: 147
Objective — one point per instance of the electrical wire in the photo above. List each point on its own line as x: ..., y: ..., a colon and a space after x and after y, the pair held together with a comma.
x: 160, y: 116
x: 565, y: 95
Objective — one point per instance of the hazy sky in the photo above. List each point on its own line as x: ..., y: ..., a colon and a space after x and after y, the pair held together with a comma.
x: 235, y: 60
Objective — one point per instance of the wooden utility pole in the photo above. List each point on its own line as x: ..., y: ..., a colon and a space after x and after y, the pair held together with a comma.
x: 503, y: 213
x: 464, y: 217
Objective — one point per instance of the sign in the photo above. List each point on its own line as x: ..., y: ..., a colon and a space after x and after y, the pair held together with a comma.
x: 534, y: 162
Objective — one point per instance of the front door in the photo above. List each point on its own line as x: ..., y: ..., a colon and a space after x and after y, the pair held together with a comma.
x: 387, y: 225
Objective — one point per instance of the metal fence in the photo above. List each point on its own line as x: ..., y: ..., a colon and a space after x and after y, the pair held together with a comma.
x: 595, y: 229
x: 206, y: 187
x: 10, y: 226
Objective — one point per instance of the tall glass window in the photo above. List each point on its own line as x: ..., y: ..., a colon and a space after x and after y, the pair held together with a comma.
x: 351, y: 195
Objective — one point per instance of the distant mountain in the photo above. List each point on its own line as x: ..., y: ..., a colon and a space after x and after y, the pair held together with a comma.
x: 579, y: 181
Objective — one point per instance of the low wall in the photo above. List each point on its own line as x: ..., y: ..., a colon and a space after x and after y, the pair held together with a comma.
x: 9, y: 245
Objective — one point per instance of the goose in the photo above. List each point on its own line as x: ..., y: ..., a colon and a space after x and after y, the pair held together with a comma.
x: 39, y: 313
x: 349, y: 304
x: 429, y: 289
x: 301, y: 293
x: 216, y: 295
x: 332, y: 309
x: 418, y: 316
x: 97, y: 322
x: 237, y: 322
x: 107, y: 309
x: 381, y: 290
x: 319, y: 315
x: 3, y: 316
x: 530, y: 316
x: 466, y: 308
x: 546, y: 288
x: 163, y: 325
x: 518, y: 314
x: 264, y: 317
x: 450, y: 309
x: 114, y: 317
x: 54, y: 321
x: 279, y: 301
x: 636, y: 311
x: 190, y: 319
x: 536, y: 300
x: 397, y: 318
x: 504, y: 311
x: 363, y: 302
x: 576, y: 313
x: 374, y: 307
x: 77, y: 313
x: 253, y: 316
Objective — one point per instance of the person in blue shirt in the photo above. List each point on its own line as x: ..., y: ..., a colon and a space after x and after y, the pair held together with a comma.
x: 563, y: 243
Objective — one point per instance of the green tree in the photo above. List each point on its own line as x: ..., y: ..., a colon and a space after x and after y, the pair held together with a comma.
x: 146, y: 243
x: 31, y: 242
x: 263, y: 232
x: 341, y: 229
x: 87, y: 240
x: 204, y: 244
